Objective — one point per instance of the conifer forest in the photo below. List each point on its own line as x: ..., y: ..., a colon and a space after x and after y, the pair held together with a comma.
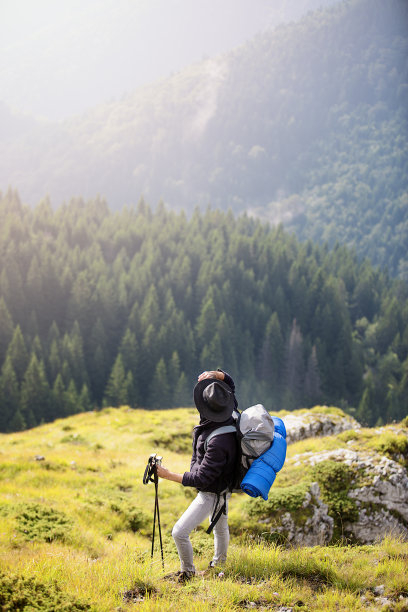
x: 252, y: 216
x: 113, y: 308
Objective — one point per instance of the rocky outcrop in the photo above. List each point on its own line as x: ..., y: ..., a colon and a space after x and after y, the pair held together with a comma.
x: 316, y: 530
x: 312, y: 424
x: 379, y: 490
x: 358, y: 492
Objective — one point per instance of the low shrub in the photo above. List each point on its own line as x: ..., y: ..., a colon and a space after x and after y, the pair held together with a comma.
x: 288, y: 499
x: 18, y: 593
x: 131, y: 518
x: 334, y: 479
x: 349, y: 434
x: 176, y: 442
x: 333, y: 476
x: 393, y: 446
x: 42, y: 524
x: 75, y: 438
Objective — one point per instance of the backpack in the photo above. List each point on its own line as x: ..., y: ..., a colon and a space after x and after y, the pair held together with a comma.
x: 255, y: 429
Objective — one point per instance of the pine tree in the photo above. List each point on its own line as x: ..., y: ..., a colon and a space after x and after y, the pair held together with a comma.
x: 312, y: 392
x: 17, y: 423
x: 58, y: 398
x: 6, y: 329
x: 35, y: 287
x: 98, y: 359
x: 150, y: 311
x: 116, y: 392
x: 270, y: 359
x: 182, y: 395
x: 294, y: 368
x: 17, y: 352
x: 9, y: 396
x: 73, y: 353
x: 212, y: 356
x: 149, y: 356
x: 130, y: 391
x: 159, y: 396
x: 206, y: 323
x: 37, y: 348
x: 72, y: 405
x: 365, y: 412
x: 130, y: 351
x: 13, y: 288
x: 54, y: 361
x: 35, y: 393
x: 53, y: 335
x: 84, y: 399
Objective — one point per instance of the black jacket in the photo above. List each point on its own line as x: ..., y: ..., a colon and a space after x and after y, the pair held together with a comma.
x: 212, y: 470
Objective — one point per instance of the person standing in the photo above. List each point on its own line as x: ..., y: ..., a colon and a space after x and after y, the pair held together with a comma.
x: 211, y: 471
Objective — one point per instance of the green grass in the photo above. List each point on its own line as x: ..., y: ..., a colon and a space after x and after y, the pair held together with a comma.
x: 75, y: 527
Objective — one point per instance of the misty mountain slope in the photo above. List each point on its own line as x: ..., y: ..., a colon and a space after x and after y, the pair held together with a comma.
x: 306, y: 124
x: 113, y: 46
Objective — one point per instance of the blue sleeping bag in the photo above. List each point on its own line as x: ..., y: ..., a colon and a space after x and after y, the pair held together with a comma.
x: 262, y: 473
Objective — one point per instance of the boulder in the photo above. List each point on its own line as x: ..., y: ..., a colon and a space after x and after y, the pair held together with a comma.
x: 379, y: 490
x: 312, y: 424
x: 316, y: 529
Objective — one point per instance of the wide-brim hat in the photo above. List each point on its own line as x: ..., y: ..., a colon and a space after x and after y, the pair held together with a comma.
x: 214, y: 399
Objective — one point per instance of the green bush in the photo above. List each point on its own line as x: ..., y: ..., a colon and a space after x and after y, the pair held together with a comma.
x: 176, y: 442
x: 349, y: 434
x: 287, y: 499
x: 27, y: 594
x: 332, y: 476
x: 73, y: 439
x: 43, y: 524
x: 134, y: 518
x: 335, y: 479
x: 392, y: 445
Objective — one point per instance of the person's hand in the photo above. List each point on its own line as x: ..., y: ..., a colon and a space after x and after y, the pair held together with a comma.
x: 162, y: 472
x: 211, y: 374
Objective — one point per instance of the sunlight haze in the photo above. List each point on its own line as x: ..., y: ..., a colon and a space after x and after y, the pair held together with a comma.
x: 59, y: 58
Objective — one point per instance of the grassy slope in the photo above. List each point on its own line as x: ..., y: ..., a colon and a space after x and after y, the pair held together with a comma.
x: 100, y: 524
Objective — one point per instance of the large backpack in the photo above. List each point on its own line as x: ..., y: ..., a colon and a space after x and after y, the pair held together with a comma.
x: 255, y: 429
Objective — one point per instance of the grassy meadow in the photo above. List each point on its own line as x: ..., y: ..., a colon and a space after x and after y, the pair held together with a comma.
x: 76, y: 524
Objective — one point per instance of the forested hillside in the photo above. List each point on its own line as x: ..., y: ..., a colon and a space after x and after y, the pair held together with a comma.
x: 127, y: 308
x: 305, y: 125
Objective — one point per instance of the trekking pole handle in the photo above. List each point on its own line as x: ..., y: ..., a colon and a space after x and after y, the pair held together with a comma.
x: 150, y: 473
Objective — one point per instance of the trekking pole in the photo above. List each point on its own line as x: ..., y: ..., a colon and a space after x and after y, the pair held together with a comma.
x: 157, y: 513
x: 150, y: 475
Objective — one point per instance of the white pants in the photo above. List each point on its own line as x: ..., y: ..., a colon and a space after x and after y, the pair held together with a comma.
x: 202, y: 507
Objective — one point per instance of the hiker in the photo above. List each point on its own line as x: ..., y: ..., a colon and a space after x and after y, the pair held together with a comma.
x: 211, y: 471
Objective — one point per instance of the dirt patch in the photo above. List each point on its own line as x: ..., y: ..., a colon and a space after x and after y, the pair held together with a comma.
x: 138, y: 593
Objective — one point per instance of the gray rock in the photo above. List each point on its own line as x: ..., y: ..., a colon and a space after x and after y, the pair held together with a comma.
x: 379, y: 590
x: 383, y: 498
x: 316, y: 530
x: 312, y: 424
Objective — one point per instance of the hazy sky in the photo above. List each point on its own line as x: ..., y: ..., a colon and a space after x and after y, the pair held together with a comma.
x: 58, y: 57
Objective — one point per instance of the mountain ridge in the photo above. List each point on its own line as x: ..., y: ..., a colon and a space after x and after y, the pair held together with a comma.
x: 306, y: 124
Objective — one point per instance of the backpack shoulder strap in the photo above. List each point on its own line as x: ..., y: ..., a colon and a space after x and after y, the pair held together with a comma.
x: 217, y: 432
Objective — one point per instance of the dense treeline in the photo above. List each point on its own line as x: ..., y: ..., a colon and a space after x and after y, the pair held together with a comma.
x: 305, y: 125
x: 126, y: 308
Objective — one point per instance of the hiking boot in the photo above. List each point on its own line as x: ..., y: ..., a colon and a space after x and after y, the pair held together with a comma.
x: 180, y: 576
x: 209, y: 570
x: 184, y: 576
